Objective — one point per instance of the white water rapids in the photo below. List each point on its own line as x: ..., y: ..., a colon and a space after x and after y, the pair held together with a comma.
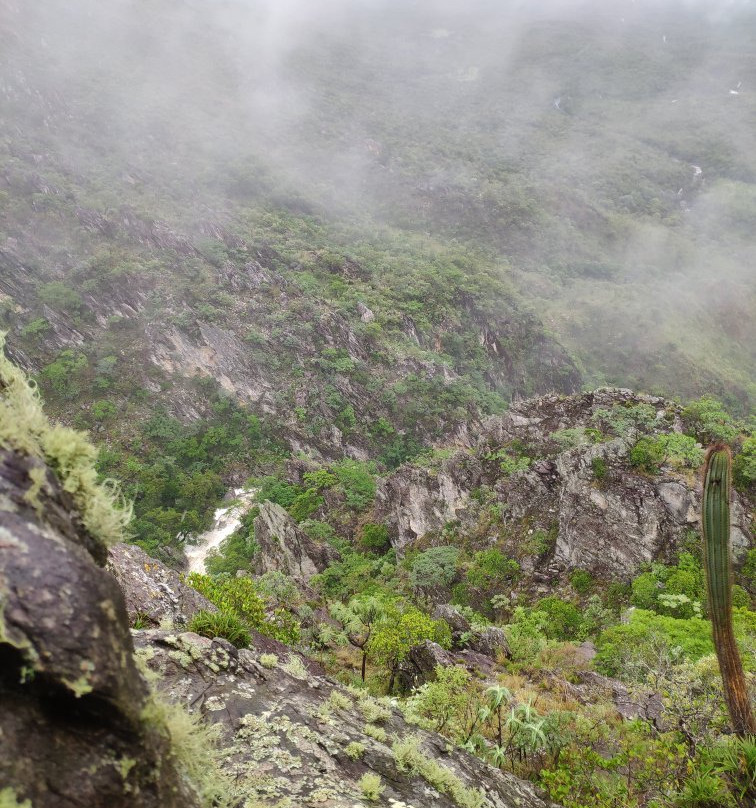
x: 225, y: 522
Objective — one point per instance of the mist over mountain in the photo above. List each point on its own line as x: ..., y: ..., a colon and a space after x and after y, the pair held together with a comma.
x: 599, y: 155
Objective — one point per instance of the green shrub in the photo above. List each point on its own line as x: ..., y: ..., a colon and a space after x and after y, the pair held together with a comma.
x: 564, y: 621
x: 61, y: 296
x: 647, y: 455
x: 526, y: 635
x: 376, y: 733
x: 36, y: 327
x: 599, y: 467
x: 239, y: 597
x: 744, y: 465
x: 692, y: 636
x: 357, y: 480
x: 680, y: 451
x: 581, y: 581
x: 375, y: 538
x: 707, y: 419
x: 370, y: 787
x: 645, y: 590
x: 221, y: 624
x: 354, y: 750
x: 434, y: 570
x: 104, y: 410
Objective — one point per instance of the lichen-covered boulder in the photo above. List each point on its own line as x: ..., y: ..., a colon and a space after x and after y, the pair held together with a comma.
x: 153, y: 592
x: 458, y: 624
x: 290, y: 736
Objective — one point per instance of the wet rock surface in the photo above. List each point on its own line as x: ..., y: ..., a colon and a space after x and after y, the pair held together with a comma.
x: 71, y: 699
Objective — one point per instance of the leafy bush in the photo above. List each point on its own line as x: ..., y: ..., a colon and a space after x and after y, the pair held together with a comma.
x: 61, y: 296
x: 375, y: 538
x: 354, y: 750
x: 692, y: 636
x: 221, y: 624
x: 623, y: 419
x: 526, y: 635
x: 649, y: 454
x: 582, y: 581
x: 599, y: 467
x: 434, y: 570
x: 489, y: 572
x: 371, y: 787
x: 707, y: 419
x: 744, y: 465
x: 394, y: 636
x: 239, y: 597
x: 564, y: 621
x: 357, y: 481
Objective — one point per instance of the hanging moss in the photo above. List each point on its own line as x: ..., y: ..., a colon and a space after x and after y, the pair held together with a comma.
x: 25, y: 428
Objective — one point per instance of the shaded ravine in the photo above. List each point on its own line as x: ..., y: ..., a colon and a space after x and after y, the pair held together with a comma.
x: 225, y: 521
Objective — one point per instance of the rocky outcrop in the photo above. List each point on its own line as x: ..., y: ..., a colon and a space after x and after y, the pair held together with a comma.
x: 490, y: 641
x: 290, y: 735
x: 565, y: 506
x: 285, y: 548
x: 72, y: 731
x: 421, y: 662
x: 153, y: 592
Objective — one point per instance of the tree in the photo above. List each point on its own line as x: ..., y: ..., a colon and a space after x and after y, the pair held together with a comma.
x: 398, y: 632
x: 359, y: 619
x: 434, y: 570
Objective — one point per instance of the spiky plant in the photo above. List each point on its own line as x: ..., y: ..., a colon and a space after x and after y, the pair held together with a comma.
x: 715, y: 513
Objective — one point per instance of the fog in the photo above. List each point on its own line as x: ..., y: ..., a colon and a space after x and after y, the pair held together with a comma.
x: 560, y: 137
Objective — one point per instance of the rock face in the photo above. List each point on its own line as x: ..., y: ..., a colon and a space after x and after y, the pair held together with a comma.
x: 285, y: 732
x: 153, y: 592
x: 490, y: 641
x: 566, y: 506
x: 284, y: 547
x: 71, y: 699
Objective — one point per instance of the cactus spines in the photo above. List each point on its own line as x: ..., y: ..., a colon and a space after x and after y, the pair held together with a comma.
x: 715, y: 518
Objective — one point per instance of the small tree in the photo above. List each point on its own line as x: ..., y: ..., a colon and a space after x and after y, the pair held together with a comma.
x: 359, y: 619
x: 398, y: 632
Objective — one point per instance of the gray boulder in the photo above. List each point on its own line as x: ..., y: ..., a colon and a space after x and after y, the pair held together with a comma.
x: 491, y: 641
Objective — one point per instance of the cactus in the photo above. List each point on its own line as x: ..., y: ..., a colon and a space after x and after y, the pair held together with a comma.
x: 715, y: 508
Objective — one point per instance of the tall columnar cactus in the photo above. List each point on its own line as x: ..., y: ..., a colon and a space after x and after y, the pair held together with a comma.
x: 715, y: 509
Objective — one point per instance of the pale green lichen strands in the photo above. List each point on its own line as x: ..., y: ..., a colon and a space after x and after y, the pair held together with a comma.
x: 715, y: 513
x: 25, y: 428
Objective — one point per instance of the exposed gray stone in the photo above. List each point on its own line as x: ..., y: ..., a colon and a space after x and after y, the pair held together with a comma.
x: 284, y: 547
